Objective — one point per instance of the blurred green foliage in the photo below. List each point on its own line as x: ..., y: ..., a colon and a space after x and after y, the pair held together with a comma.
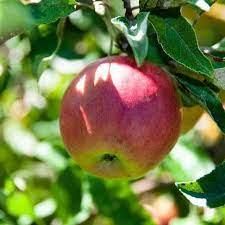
x: 39, y: 182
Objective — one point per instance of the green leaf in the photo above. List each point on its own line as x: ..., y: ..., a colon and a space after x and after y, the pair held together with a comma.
x: 46, y: 62
x: 4, y: 80
x: 178, y: 40
x: 15, y: 18
x: 2, y: 199
x: 44, y: 35
x: 48, y: 11
x: 208, y: 190
x: 155, y: 54
x: 67, y: 192
x: 218, y: 64
x: 46, y: 129
x: 19, y: 204
x: 115, y: 200
x: 4, y: 219
x: 136, y: 34
x: 21, y: 18
x: 204, y: 96
x: 87, y: 206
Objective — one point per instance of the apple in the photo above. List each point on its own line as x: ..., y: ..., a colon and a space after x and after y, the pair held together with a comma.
x: 209, y: 26
x: 119, y: 120
x: 163, y: 210
x: 207, y: 131
x: 190, y: 117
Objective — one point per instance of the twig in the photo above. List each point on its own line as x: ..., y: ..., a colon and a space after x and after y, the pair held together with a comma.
x: 132, y: 8
x: 110, y: 47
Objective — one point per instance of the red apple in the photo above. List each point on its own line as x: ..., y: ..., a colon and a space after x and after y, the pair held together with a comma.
x: 119, y: 120
x: 163, y: 210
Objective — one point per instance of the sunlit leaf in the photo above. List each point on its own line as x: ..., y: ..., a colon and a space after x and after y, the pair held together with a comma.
x: 136, y: 34
x: 208, y: 190
x: 19, y: 204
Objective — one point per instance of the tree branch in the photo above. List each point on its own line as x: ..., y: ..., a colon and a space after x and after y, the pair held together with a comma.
x: 132, y: 8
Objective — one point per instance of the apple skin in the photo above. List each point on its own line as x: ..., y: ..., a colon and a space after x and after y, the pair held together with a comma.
x: 190, y: 116
x: 163, y: 210
x: 119, y: 120
x: 209, y: 26
x: 207, y: 131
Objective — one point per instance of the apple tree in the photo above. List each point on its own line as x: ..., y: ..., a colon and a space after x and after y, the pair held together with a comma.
x: 95, y: 90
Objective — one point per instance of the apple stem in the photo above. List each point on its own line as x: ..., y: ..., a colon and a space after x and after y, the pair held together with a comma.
x: 110, y: 47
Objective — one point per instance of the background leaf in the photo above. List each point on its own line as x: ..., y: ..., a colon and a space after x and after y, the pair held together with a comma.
x: 116, y: 200
x: 67, y: 191
x: 14, y: 203
x: 48, y: 11
x: 11, y: 11
x: 44, y: 12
